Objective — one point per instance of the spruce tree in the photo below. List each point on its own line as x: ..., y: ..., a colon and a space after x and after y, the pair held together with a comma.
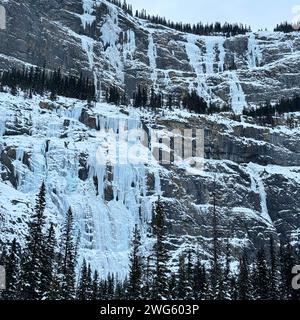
x: 182, y: 279
x: 68, y: 263
x: 274, y: 277
x: 13, y: 273
x: 48, y: 267
x: 244, y: 282
x: 216, y: 272
x: 34, y: 250
x: 135, y: 267
x: 82, y: 290
x: 189, y: 276
x: 89, y: 283
x: 95, y: 287
x: 147, y: 289
x: 199, y: 281
x: 261, y: 277
x: 172, y: 286
x: 110, y: 286
x: 287, y: 262
x: 160, y: 289
x: 225, y: 292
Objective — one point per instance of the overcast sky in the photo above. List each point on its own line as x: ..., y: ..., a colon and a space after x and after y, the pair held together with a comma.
x: 257, y: 13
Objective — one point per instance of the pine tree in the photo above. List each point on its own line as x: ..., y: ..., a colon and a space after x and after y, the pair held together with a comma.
x: 68, y: 263
x: 34, y: 250
x: 160, y: 290
x: 172, y: 286
x: 147, y: 289
x: 287, y: 262
x: 244, y: 282
x: 110, y: 286
x: 199, y: 281
x: 48, y: 267
x: 182, y: 279
x: 136, y: 267
x: 13, y: 273
x: 216, y: 272
x: 274, y: 278
x: 82, y: 291
x: 261, y: 277
x: 103, y: 289
x: 89, y: 283
x: 225, y: 293
x: 95, y: 287
x: 189, y: 276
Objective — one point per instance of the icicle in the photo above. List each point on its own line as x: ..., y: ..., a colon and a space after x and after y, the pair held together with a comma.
x: 238, y: 98
x: 20, y: 154
x: 110, y: 32
x: 222, y: 54
x: 2, y: 121
x: 87, y: 18
x: 152, y: 55
x: 196, y: 61
x: 257, y: 185
x: 254, y: 53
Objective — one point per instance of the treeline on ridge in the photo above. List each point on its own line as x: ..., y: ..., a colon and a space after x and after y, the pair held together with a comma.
x: 226, y: 29
x: 36, y: 80
x: 287, y: 27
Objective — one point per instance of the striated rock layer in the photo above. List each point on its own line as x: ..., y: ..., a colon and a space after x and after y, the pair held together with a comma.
x: 115, y: 48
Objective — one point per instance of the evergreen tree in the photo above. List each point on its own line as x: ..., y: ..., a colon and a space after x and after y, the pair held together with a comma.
x: 287, y: 262
x: 274, y: 278
x: 182, y: 279
x: 261, y: 277
x: 82, y: 291
x: 216, y: 272
x: 225, y: 293
x: 68, y: 262
x: 136, y: 267
x: 189, y: 276
x: 199, y: 281
x: 95, y: 287
x: 110, y: 286
x: 172, y: 287
x: 160, y: 289
x: 13, y: 273
x: 48, y: 267
x: 244, y: 282
x: 89, y: 283
x: 34, y: 250
x: 147, y: 289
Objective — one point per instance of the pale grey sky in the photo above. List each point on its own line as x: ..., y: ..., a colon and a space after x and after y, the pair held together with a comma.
x: 257, y: 13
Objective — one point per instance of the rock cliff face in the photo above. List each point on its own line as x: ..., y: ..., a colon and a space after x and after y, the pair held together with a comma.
x: 78, y: 150
x: 254, y: 170
x: 113, y: 47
